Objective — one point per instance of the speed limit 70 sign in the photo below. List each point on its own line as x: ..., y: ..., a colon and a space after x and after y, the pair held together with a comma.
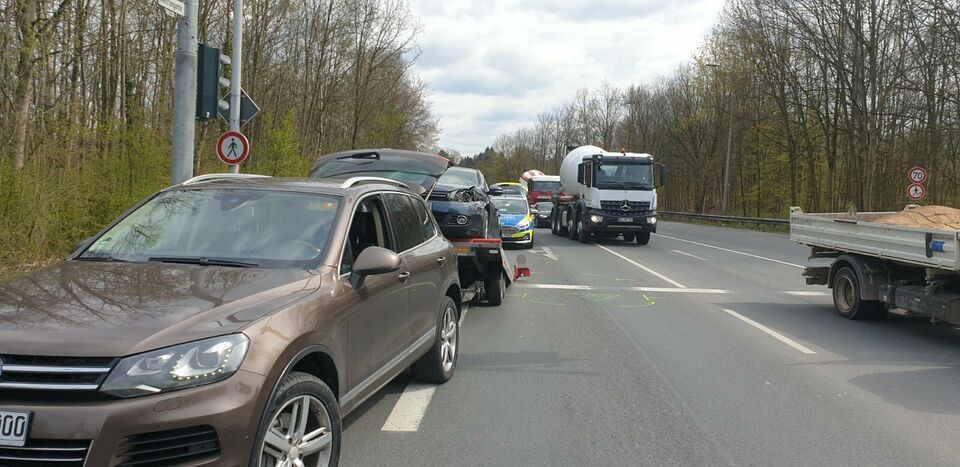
x: 917, y: 175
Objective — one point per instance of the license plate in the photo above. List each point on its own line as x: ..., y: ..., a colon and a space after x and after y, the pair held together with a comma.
x: 14, y: 427
x: 625, y: 219
x: 463, y: 250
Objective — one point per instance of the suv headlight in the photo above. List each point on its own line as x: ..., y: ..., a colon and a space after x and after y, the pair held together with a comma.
x: 177, y: 367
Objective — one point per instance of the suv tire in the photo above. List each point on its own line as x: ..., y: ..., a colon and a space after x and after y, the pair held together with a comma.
x: 323, y: 423
x: 439, y: 363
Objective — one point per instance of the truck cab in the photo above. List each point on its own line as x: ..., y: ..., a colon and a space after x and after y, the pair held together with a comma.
x: 614, y: 194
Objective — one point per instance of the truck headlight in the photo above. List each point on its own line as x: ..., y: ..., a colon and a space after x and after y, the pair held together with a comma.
x: 596, y: 219
x: 653, y: 220
x: 177, y: 367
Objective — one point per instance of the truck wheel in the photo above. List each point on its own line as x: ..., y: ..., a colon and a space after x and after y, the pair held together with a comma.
x: 582, y: 233
x: 643, y: 238
x: 553, y: 225
x: 495, y: 288
x: 572, y: 228
x: 846, y: 298
x: 562, y: 229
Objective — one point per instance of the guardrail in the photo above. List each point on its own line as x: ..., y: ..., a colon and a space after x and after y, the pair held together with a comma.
x: 719, y: 218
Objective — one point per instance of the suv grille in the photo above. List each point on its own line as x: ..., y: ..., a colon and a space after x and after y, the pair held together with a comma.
x: 616, y: 207
x: 169, y: 447
x: 45, y: 452
x: 53, y: 373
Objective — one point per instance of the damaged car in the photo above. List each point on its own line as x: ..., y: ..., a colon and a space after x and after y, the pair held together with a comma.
x: 458, y: 196
x: 461, y: 203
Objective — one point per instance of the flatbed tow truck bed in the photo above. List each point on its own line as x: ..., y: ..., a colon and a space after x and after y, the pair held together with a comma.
x: 485, y: 270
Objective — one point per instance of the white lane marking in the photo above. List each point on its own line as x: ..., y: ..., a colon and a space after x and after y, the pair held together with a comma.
x: 807, y: 293
x: 651, y: 271
x: 776, y: 335
x: 549, y: 253
x: 731, y: 251
x: 684, y: 253
x: 525, y: 285
x: 410, y: 409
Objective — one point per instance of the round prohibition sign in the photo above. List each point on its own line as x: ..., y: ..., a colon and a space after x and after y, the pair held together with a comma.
x: 917, y: 175
x: 233, y: 147
x: 916, y: 191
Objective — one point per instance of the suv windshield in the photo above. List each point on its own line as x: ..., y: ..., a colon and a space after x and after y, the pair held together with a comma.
x: 222, y: 227
x: 511, y: 205
x: 613, y: 176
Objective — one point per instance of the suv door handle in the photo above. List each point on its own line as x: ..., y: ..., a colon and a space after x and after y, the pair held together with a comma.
x: 441, y: 260
x: 403, y: 276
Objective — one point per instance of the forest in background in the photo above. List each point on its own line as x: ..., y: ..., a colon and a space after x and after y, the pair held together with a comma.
x: 86, y: 92
x: 828, y: 104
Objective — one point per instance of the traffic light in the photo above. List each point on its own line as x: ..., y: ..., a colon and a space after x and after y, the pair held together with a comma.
x: 209, y: 82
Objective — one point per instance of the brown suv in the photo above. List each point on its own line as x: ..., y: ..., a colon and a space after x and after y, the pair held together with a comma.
x: 225, y: 321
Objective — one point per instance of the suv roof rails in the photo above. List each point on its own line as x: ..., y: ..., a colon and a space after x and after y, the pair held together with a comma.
x: 353, y: 181
x: 220, y: 176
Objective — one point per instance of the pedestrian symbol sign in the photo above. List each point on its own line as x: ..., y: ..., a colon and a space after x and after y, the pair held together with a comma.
x: 917, y: 175
x: 233, y: 148
x: 916, y: 191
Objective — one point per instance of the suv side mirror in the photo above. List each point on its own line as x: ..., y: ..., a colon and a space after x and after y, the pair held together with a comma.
x: 662, y: 172
x: 494, y: 190
x: 372, y: 261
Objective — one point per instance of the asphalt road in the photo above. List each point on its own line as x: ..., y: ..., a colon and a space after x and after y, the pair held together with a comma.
x: 703, y: 348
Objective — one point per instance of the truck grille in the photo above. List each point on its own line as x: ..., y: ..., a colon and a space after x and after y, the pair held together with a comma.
x: 53, y: 373
x: 616, y: 207
x: 170, y: 447
x: 45, y: 452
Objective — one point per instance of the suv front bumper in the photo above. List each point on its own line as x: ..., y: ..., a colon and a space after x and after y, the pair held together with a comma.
x: 231, y: 407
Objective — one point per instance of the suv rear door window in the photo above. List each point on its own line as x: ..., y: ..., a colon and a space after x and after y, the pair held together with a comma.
x: 429, y: 226
x: 406, y: 222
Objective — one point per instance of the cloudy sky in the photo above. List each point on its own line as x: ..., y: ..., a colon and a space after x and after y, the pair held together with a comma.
x: 493, y: 65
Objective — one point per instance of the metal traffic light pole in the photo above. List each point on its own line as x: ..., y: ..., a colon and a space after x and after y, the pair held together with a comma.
x: 185, y: 94
x: 237, y: 63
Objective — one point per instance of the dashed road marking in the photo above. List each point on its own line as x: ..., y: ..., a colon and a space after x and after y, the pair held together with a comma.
x: 776, y: 335
x: 807, y: 293
x: 526, y: 285
x: 410, y: 409
x: 651, y: 271
x: 684, y: 253
x: 732, y: 251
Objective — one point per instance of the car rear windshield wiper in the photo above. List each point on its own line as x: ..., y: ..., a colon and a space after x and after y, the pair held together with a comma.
x: 102, y: 259
x: 203, y: 261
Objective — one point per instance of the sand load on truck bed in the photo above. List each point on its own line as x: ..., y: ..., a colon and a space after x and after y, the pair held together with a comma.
x: 925, y: 217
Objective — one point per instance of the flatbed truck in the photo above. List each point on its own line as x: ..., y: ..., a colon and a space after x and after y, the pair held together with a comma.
x: 876, y: 267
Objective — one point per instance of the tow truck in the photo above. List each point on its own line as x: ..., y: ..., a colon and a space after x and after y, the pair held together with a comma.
x: 485, y: 271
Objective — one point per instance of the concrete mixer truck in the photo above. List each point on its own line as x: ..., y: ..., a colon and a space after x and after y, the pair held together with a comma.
x: 610, y: 194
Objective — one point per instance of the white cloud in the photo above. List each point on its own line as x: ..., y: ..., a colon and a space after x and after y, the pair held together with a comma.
x: 493, y: 65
